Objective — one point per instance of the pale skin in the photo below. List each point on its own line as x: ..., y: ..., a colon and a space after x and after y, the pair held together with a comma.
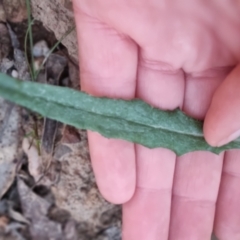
x: 170, y: 54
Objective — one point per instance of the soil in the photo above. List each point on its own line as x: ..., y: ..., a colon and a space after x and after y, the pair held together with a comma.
x: 47, y: 187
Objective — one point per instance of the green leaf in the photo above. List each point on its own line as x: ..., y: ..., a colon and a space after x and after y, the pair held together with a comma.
x: 134, y: 121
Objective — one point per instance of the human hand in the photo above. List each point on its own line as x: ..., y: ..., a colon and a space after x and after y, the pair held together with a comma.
x: 170, y: 54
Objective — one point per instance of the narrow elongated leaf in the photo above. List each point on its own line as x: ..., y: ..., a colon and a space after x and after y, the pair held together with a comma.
x: 134, y: 120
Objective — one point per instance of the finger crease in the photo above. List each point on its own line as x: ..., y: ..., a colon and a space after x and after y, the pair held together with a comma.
x: 231, y: 174
x: 158, y: 66
x: 163, y: 190
x: 199, y: 202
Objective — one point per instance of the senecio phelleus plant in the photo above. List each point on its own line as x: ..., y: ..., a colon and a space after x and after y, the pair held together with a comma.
x: 134, y: 121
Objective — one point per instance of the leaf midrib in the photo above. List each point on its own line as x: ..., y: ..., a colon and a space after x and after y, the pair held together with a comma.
x: 112, y: 117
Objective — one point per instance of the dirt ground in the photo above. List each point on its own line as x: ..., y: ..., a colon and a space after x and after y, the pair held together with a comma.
x: 47, y: 187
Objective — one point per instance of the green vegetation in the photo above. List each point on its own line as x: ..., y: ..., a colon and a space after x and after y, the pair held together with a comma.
x: 134, y: 121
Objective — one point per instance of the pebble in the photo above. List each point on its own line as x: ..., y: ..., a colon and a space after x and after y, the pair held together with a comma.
x: 40, y: 49
x: 14, y: 73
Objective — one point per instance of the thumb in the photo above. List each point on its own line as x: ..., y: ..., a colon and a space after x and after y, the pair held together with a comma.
x: 222, y: 121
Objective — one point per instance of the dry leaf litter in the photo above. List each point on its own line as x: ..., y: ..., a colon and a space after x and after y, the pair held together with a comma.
x: 47, y: 187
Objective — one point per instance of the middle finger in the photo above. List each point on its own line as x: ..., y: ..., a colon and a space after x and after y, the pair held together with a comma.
x: 147, y: 214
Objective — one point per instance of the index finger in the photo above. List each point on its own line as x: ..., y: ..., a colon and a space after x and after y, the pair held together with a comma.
x: 108, y: 66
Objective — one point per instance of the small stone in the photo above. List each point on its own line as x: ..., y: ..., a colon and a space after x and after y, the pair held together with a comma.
x: 5, y: 65
x: 40, y: 49
x: 14, y: 73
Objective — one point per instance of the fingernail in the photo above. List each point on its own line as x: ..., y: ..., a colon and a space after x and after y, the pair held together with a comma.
x: 229, y: 139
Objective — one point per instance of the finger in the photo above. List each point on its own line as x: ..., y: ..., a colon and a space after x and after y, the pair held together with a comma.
x: 225, y: 108
x: 196, y: 184
x: 147, y: 214
x: 108, y: 63
x: 197, y: 174
x: 227, y: 220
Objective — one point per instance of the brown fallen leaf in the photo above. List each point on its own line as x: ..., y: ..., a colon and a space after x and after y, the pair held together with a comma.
x: 73, y: 70
x: 36, y: 210
x: 5, y: 42
x: 35, y: 167
x: 2, y: 13
x: 54, y: 69
x: 4, y: 222
x: 15, y: 10
x: 18, y: 217
x: 7, y: 174
x: 9, y: 121
x: 70, y: 135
